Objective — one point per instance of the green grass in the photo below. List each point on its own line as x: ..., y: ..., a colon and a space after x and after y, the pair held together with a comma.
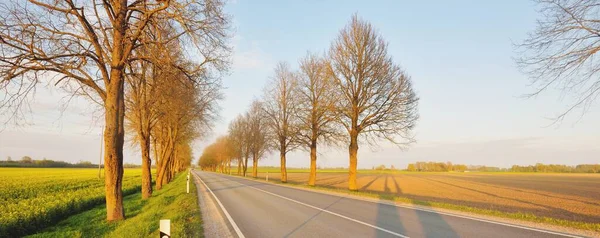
x: 142, y: 216
x: 398, y: 199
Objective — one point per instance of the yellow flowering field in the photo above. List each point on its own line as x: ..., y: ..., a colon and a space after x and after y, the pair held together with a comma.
x: 33, y: 198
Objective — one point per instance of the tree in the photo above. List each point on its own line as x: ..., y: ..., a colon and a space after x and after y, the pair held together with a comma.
x: 26, y: 160
x: 238, y: 134
x: 411, y: 167
x: 376, y: 97
x: 316, y: 101
x: 561, y: 51
x: 9, y: 159
x: 85, y: 47
x: 257, y: 136
x: 280, y: 105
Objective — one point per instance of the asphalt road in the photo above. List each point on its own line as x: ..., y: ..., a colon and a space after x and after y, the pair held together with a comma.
x: 257, y: 209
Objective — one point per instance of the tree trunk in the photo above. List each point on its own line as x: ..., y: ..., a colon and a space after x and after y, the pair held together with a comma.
x: 161, y: 173
x: 254, y: 166
x: 229, y: 169
x: 146, y: 167
x: 353, y: 150
x: 239, y: 171
x: 114, y: 116
x: 113, y: 146
x: 164, y: 165
x: 312, y: 178
x: 283, y: 167
x: 245, y: 166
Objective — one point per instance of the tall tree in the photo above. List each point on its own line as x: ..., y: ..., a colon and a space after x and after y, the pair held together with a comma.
x: 238, y: 131
x: 141, y: 117
x: 317, y: 98
x: 376, y: 96
x: 257, y: 136
x: 561, y: 51
x: 280, y: 105
x: 85, y: 46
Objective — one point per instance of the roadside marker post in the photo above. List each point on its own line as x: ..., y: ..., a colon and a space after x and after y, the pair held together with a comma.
x: 188, y: 180
x: 165, y: 228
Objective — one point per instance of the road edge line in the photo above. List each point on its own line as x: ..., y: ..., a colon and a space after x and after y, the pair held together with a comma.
x: 414, y: 207
x: 229, y: 218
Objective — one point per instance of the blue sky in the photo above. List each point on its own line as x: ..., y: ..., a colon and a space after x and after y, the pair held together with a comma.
x: 459, y: 55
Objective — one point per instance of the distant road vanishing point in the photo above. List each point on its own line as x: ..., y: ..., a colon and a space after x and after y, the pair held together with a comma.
x: 258, y: 209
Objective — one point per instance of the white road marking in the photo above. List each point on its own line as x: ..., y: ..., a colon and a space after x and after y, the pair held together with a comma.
x: 326, y: 211
x: 488, y: 221
x: 235, y: 227
x: 420, y: 209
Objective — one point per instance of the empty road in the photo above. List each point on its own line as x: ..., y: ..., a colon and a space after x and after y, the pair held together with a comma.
x: 258, y: 209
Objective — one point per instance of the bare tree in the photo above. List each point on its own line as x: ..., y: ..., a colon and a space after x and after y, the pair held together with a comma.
x: 316, y: 115
x: 238, y: 132
x: 257, y: 136
x: 376, y: 96
x: 85, y: 46
x: 280, y: 105
x: 141, y: 117
x: 560, y: 51
x: 187, y: 110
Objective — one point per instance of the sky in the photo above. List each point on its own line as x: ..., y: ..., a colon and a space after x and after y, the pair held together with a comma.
x: 460, y: 55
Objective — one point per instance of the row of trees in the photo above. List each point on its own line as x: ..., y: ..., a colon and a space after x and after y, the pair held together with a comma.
x: 128, y: 57
x: 436, y: 167
x: 355, y: 91
x: 539, y: 167
x: 557, y: 168
x: 27, y: 161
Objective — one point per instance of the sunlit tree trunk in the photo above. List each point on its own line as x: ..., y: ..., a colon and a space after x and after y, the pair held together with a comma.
x: 146, y: 167
x: 353, y: 150
x: 113, y: 146
x: 283, y: 165
x: 255, y: 166
x: 313, y: 163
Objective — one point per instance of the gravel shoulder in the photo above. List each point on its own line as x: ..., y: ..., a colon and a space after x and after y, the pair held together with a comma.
x: 214, y: 222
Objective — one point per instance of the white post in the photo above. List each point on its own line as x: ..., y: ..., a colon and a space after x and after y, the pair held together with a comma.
x: 188, y: 180
x: 267, y: 176
x: 165, y: 228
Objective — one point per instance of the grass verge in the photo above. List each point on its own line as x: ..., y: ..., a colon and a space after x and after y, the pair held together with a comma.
x: 398, y: 199
x: 142, y: 216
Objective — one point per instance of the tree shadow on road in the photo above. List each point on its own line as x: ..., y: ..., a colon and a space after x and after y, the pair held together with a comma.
x: 312, y: 217
x: 390, y: 217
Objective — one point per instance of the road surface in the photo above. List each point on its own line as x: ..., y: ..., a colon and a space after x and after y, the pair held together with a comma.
x: 258, y: 209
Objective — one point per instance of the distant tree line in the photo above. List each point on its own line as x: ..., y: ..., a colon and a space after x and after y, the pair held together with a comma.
x: 28, y: 162
x: 436, y: 167
x: 539, y: 167
x: 557, y: 168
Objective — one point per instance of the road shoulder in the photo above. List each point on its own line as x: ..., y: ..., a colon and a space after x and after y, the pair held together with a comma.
x: 213, y: 219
